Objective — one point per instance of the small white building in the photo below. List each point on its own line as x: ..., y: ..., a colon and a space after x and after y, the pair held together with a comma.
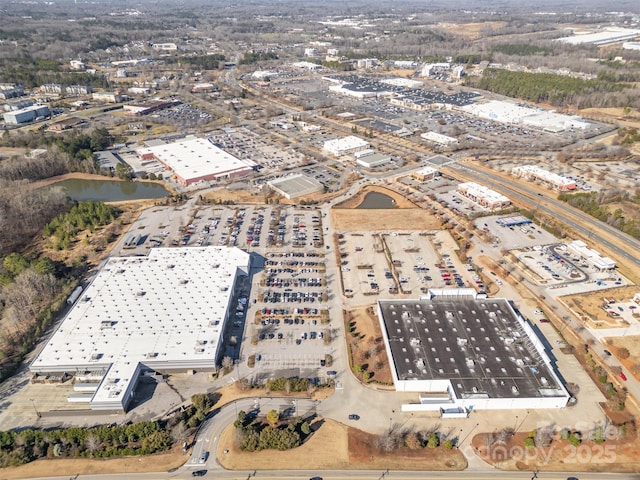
x: 593, y: 257
x: 425, y: 174
x: 438, y: 138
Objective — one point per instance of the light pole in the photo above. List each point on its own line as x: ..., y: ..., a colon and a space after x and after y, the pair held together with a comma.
x: 515, y: 427
x: 34, y: 407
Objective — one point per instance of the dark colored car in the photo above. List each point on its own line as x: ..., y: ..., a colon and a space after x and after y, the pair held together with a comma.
x: 353, y: 416
x: 544, y: 320
x: 607, y: 353
x: 199, y: 473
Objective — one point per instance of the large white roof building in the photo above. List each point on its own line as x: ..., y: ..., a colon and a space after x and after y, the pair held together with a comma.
x: 197, y: 159
x: 346, y: 145
x: 163, y: 312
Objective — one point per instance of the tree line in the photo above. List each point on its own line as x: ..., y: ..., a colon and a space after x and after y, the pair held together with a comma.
x: 206, y: 62
x: 594, y: 204
x: 141, y: 438
x: 539, y: 87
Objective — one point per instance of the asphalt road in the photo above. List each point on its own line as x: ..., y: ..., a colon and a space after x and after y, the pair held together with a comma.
x: 573, y: 218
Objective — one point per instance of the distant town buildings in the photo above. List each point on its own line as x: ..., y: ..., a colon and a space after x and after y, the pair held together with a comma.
x: 26, y: 115
x: 107, y: 97
x: 605, y: 37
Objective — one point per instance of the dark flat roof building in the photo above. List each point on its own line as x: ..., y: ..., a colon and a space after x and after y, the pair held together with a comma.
x: 478, y: 350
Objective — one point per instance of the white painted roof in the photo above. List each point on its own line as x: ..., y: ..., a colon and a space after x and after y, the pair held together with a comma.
x: 197, y: 157
x: 339, y: 145
x: 163, y: 310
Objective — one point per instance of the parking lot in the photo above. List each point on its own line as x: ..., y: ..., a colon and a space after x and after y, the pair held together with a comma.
x: 398, y: 263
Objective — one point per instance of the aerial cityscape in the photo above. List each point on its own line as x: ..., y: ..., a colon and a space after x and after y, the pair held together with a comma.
x: 319, y: 240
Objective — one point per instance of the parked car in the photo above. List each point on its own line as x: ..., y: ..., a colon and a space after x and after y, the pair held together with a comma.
x: 607, y: 353
x: 544, y: 320
x: 203, y: 457
x: 353, y: 416
x: 623, y: 376
x: 198, y: 473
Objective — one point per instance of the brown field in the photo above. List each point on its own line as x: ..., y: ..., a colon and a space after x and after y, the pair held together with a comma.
x: 620, y: 454
x: 407, y: 216
x: 632, y: 344
x: 366, y: 339
x: 336, y: 446
x: 471, y: 30
x: 588, y: 306
x: 93, y: 466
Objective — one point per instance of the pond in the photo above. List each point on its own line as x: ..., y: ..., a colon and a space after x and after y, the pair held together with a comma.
x: 377, y: 200
x: 111, y: 190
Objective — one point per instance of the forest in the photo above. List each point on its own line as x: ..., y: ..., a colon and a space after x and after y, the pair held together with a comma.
x: 557, y: 90
x: 141, y: 438
x: 595, y: 204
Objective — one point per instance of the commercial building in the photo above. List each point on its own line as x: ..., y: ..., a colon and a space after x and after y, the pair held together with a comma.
x: 439, y: 138
x: 165, y: 312
x: 345, y: 146
x: 166, y: 47
x: 294, y: 186
x: 425, y: 174
x: 196, y: 160
x: 459, y: 350
x: 483, y: 196
x: 107, y: 97
x: 10, y: 90
x: 372, y: 159
x: 508, y: 112
x: 25, y: 115
x: 553, y: 180
x: 148, y: 107
x: 19, y: 104
x: 609, y: 35
x: 593, y: 257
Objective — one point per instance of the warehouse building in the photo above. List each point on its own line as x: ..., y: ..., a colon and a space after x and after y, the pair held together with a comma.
x: 197, y: 160
x: 107, y: 97
x: 371, y: 159
x: 294, y: 186
x: 26, y: 115
x: 483, y: 196
x: 165, y: 312
x: 605, y: 37
x: 553, y: 180
x: 345, y: 146
x: 459, y: 350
